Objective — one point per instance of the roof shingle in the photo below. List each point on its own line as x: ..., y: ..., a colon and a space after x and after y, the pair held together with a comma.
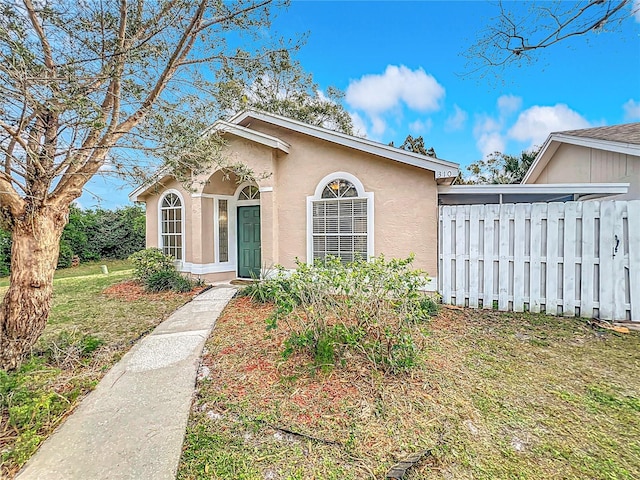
x: 625, y: 133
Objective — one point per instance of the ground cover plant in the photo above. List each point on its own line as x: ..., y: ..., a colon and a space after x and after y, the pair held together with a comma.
x: 333, y: 310
x: 491, y: 396
x: 95, y: 319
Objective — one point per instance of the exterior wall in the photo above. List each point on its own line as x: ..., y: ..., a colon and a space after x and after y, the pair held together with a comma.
x: 405, y: 198
x: 151, y: 200
x: 576, y: 164
x: 405, y: 202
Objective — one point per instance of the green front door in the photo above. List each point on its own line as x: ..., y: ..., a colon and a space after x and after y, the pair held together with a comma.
x: 249, y: 241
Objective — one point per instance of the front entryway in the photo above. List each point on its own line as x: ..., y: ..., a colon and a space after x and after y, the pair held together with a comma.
x: 249, y: 241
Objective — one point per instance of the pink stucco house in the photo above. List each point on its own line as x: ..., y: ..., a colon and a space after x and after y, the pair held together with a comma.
x: 322, y: 193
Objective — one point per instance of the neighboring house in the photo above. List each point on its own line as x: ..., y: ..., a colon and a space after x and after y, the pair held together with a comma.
x: 322, y: 193
x: 592, y: 155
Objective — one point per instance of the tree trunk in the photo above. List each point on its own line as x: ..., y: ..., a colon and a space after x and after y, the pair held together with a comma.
x: 26, y: 305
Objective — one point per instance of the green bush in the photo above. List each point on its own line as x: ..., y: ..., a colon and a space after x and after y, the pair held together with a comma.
x: 5, y: 253
x: 150, y: 261
x: 65, y: 256
x: 164, y: 280
x: 371, y: 309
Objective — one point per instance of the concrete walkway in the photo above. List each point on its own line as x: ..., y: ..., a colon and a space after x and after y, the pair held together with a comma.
x: 132, y: 425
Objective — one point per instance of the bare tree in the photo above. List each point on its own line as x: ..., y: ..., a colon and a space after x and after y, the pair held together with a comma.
x: 84, y: 83
x: 516, y: 34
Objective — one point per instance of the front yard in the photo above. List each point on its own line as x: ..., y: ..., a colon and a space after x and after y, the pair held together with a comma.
x: 95, y: 319
x: 493, y: 396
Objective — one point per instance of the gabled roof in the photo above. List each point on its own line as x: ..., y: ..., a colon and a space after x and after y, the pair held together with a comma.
x: 239, y: 126
x: 252, y: 135
x: 624, y: 138
x: 443, y: 169
x: 222, y: 127
x: 625, y: 133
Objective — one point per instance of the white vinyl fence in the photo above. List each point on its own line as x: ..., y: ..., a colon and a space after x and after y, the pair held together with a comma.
x: 574, y: 258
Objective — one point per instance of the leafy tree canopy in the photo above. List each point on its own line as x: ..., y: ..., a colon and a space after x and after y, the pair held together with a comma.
x: 416, y: 145
x: 500, y: 168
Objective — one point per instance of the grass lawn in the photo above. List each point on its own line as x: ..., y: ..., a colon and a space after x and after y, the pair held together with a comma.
x: 495, y: 396
x: 95, y: 319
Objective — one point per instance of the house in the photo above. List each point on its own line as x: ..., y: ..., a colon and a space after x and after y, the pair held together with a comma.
x: 318, y: 193
x: 590, y: 156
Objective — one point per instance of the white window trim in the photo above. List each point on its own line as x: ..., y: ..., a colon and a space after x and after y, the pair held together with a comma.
x: 247, y: 203
x: 182, y: 224
x: 231, y: 219
x: 362, y: 194
x: 232, y: 211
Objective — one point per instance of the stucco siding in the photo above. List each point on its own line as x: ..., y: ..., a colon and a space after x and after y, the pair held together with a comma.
x: 405, y: 198
x: 152, y: 216
x: 405, y: 209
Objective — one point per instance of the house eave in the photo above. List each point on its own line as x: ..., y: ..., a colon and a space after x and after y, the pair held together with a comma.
x: 442, y: 169
x: 251, y: 135
x: 554, y: 141
x: 530, y: 193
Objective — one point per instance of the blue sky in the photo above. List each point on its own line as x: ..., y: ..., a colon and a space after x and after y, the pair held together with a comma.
x: 401, y: 67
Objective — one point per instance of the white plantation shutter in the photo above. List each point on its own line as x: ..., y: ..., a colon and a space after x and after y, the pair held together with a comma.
x: 340, y: 226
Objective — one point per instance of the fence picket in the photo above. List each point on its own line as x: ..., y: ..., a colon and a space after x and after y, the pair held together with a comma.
x: 445, y: 220
x: 569, y: 249
x: 522, y: 213
x: 487, y: 294
x: 461, y: 253
x: 553, y: 219
x: 569, y: 260
x: 504, y: 242
x: 538, y: 212
x: 633, y: 216
x: 607, y: 239
x: 474, y: 254
x: 588, y: 298
x: 619, y: 279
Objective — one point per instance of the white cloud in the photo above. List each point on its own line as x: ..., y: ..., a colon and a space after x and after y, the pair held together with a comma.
x: 378, y: 126
x: 632, y: 109
x: 508, y: 104
x: 420, y: 127
x: 537, y: 122
x: 489, y: 138
x: 375, y: 94
x: 456, y: 120
x: 359, y: 125
x: 635, y: 9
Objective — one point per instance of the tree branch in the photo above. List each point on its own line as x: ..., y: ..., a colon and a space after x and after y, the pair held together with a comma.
x: 46, y: 48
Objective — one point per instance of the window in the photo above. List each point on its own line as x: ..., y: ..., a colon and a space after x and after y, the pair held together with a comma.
x: 171, y: 223
x: 250, y: 192
x: 340, y: 221
x: 223, y: 231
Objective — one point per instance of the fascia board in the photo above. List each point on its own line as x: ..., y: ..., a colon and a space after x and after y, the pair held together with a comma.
x: 554, y: 188
x: 442, y: 168
x: 555, y: 139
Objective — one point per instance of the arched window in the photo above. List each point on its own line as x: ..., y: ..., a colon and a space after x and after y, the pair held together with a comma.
x: 171, y: 221
x: 250, y: 192
x: 341, y: 219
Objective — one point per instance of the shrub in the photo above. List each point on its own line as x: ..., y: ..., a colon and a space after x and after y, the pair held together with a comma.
x: 65, y: 256
x: 70, y: 349
x: 5, y: 253
x: 164, y: 280
x: 371, y: 309
x: 149, y: 261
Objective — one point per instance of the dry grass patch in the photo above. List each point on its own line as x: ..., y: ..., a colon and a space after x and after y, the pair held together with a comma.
x: 493, y: 396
